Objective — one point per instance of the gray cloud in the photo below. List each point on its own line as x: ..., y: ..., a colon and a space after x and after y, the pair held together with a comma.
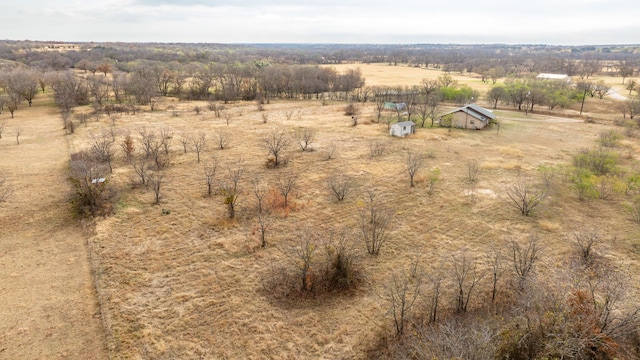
x: 373, y: 21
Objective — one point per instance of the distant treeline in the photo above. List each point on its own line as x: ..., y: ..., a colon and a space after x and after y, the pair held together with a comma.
x: 458, y: 58
x: 133, y: 74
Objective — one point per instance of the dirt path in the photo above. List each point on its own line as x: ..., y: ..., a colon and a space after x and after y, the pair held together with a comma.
x: 614, y: 94
x: 48, y: 305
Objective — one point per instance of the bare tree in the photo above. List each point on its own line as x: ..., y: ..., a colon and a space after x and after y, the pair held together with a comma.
x: 611, y: 319
x: 22, y: 83
x: 210, y: 169
x: 28, y: 85
x: 436, y: 280
x: 6, y: 190
x: 264, y: 223
x: 381, y: 96
x: 378, y: 148
x: 141, y: 169
x: 156, y: 182
x: 199, y: 142
x: 70, y: 90
x: 128, y: 146
x: 413, y: 163
x: 401, y: 293
x: 375, y: 220
x: 166, y: 135
x: 330, y: 150
x: 524, y: 194
x: 152, y: 144
x: 467, y: 277
x: 223, y: 138
x: 3, y: 124
x: 259, y: 188
x: 601, y: 89
x: 185, y: 140
x: 473, y: 171
x: 388, y: 120
x: 524, y: 258
x: 102, y: 148
x: 148, y: 141
x: 276, y: 141
x: 584, y: 240
x: 494, y: 259
x: 229, y: 187
x: 304, y: 251
x: 339, y: 185
x: 286, y: 183
x: 18, y: 132
x: 305, y: 138
x: 216, y: 108
x: 11, y: 102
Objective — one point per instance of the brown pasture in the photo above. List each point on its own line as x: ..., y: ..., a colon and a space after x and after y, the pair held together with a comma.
x: 402, y: 75
x: 180, y: 280
x: 48, y: 307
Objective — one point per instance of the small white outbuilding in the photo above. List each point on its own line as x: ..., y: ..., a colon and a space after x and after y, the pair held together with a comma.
x: 555, y: 77
x: 403, y: 128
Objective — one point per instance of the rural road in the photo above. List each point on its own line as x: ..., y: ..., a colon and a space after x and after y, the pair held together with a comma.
x: 613, y: 93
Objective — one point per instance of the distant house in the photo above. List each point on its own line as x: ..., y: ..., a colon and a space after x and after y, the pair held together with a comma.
x: 469, y: 116
x: 403, y: 128
x: 394, y: 106
x: 555, y: 77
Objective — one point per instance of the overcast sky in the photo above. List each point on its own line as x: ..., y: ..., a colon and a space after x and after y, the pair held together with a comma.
x: 559, y: 22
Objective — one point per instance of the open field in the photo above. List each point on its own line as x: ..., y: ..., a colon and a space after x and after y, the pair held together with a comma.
x: 402, y: 75
x: 189, y: 283
x: 180, y: 280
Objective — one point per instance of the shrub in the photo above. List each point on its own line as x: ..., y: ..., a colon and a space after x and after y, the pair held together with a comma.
x: 446, y: 120
x: 584, y: 184
x: 351, y: 110
x: 599, y: 161
x: 321, y: 262
x: 609, y: 138
x: 93, y: 195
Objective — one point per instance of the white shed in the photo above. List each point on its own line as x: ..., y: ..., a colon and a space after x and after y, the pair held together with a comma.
x: 555, y: 77
x: 403, y: 128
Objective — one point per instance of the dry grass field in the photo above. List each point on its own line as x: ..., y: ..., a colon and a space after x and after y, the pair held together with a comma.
x: 48, y: 307
x: 402, y: 75
x: 180, y: 280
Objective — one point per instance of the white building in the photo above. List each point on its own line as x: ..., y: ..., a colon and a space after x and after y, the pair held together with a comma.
x: 403, y: 128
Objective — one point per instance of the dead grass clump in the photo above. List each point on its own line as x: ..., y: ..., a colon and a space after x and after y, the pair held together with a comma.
x: 548, y: 225
x: 510, y: 151
x: 351, y: 110
x: 501, y: 163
